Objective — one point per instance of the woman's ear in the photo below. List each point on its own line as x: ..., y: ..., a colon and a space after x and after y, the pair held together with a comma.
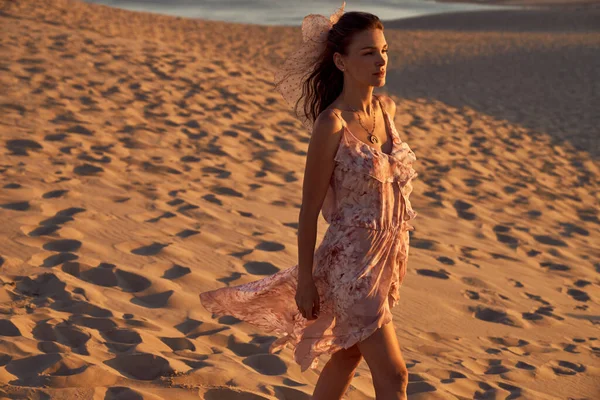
x: 337, y: 60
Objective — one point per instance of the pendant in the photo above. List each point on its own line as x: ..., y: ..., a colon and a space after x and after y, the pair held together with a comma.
x: 373, y: 139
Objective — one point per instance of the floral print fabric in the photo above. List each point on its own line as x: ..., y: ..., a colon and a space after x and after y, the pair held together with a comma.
x: 358, y: 267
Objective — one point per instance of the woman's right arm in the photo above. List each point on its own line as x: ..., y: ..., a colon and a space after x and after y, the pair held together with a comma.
x: 322, y: 148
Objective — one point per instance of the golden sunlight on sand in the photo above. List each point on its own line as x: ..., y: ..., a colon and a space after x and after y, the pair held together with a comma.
x: 146, y: 158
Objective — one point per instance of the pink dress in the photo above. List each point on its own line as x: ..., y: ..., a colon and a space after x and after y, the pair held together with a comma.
x: 358, y: 267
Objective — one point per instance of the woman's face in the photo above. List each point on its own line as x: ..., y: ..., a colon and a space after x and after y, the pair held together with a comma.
x: 367, y: 55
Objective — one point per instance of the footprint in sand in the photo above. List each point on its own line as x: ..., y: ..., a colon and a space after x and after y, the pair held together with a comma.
x: 108, y: 275
x: 425, y: 244
x: 86, y: 157
x: 40, y: 367
x: 512, y: 345
x: 175, y: 202
x: 219, y: 172
x: 503, y: 237
x: 143, y: 366
x: 293, y: 225
x: 495, y: 367
x: 194, y: 360
x: 269, y: 246
x: 155, y: 300
x: 63, y: 245
x: 461, y: 208
x: 54, y: 194
x: 579, y: 295
x: 537, y: 298
x: 121, y: 339
x: 554, y: 266
x: 166, y: 214
x: 188, y: 326
x: 244, y: 349
x: 57, y: 259
x: 178, y: 343
x: 489, y: 314
x: 570, y: 229
x: 417, y: 384
x: 260, y: 268
x: 176, y: 271
x: 515, y: 391
x: 266, y: 364
x: 87, y: 170
x: 445, y: 376
x: 540, y: 313
x: 150, y: 250
x: 187, y: 233
x: 499, y: 256
x: 22, y: 147
x: 63, y: 332
x: 225, y: 191
x: 45, y: 287
x: 440, y: 274
x: 211, y: 198
x: 65, y: 249
x: 234, y: 276
x: 588, y: 215
x: 64, y: 215
x: 549, y: 240
x: 562, y: 367
x: 446, y: 260
x: 17, y: 206
x: 516, y: 283
x: 188, y: 206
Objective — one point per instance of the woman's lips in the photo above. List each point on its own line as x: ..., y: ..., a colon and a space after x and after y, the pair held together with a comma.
x: 380, y: 74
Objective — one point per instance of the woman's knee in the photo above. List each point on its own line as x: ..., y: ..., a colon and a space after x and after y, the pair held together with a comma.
x: 396, y: 379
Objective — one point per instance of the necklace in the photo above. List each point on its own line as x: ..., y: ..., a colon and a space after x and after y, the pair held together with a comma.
x: 372, y: 138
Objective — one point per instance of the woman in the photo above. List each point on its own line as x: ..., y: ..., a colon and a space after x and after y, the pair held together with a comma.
x: 337, y: 299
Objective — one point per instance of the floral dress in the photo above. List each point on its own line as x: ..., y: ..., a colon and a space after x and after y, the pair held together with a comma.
x: 359, y: 266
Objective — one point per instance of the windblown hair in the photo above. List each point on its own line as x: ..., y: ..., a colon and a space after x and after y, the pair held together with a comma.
x: 325, y: 83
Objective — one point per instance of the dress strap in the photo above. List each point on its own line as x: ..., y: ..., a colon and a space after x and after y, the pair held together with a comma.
x: 380, y: 104
x: 386, y: 117
x: 339, y: 116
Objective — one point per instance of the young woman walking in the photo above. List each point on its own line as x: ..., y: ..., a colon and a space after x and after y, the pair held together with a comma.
x: 358, y: 173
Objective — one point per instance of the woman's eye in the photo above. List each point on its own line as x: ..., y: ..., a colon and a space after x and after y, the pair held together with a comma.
x: 385, y: 51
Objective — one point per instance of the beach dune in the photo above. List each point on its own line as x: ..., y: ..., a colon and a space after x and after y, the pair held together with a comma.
x: 146, y: 158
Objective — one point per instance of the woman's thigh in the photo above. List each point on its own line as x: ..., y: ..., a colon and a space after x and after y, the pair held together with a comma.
x: 381, y: 351
x: 349, y: 354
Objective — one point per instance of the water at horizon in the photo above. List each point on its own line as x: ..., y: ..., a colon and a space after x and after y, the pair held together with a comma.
x: 289, y: 12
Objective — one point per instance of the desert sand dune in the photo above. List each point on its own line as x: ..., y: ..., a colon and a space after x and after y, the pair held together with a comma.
x: 146, y: 158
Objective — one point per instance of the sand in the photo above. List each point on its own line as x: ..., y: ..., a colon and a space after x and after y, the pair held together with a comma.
x: 146, y: 158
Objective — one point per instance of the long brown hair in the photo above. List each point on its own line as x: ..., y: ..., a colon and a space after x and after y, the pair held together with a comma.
x: 325, y: 83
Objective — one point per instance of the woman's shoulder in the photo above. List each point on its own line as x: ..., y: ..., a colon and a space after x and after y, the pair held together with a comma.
x: 328, y: 122
x: 332, y: 114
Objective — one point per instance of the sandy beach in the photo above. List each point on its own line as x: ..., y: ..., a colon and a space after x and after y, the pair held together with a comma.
x: 147, y: 158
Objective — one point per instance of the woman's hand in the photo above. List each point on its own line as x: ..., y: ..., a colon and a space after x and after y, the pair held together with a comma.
x: 307, y: 298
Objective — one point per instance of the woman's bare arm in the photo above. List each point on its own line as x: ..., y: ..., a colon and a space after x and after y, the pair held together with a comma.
x: 322, y: 147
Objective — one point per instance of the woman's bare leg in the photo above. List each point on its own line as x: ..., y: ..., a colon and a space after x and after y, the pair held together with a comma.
x: 336, y: 374
x: 388, y: 369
